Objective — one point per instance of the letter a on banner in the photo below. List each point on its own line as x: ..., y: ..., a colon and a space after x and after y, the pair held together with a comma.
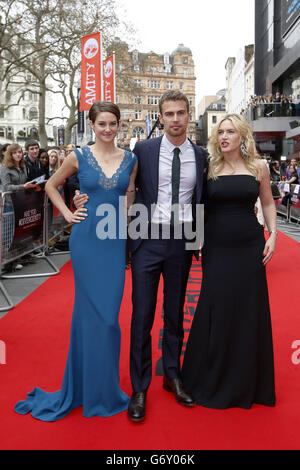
x: 91, y: 71
x: 109, y: 79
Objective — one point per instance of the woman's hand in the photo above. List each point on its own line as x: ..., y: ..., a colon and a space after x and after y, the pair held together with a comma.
x: 30, y: 185
x: 76, y: 217
x: 269, y: 248
x: 80, y: 199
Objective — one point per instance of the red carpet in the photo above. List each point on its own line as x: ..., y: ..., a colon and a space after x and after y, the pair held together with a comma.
x: 36, y: 335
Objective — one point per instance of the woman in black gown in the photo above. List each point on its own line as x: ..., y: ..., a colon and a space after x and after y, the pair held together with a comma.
x: 229, y: 356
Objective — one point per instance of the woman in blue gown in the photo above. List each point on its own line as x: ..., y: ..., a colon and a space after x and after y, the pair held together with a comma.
x: 97, y: 243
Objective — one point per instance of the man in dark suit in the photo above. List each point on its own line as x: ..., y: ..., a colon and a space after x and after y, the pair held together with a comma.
x: 171, y: 172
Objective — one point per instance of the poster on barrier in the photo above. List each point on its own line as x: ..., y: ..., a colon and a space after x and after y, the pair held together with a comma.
x: 29, y: 214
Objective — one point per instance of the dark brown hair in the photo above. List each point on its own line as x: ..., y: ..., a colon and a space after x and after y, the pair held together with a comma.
x: 104, y: 107
x: 8, y: 159
x: 173, y: 96
x: 31, y: 143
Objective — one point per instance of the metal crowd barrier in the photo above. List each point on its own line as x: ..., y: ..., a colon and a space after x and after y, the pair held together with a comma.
x: 57, y: 225
x: 288, y: 201
x: 27, y: 225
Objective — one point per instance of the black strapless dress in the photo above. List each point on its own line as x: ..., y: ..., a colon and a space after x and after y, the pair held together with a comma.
x: 229, y: 356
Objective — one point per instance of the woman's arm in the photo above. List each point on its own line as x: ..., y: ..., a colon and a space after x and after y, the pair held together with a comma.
x: 291, y: 181
x: 69, y: 166
x: 269, y: 212
x: 7, y: 184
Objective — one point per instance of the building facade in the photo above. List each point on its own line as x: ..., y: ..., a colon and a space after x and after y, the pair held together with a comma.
x: 19, y: 110
x: 213, y: 113
x: 142, y: 78
x: 228, y: 96
x: 238, y: 71
x: 277, y: 70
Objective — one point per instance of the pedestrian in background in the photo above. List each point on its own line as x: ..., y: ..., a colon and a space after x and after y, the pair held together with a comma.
x: 44, y: 162
x: 33, y: 165
x: 53, y: 161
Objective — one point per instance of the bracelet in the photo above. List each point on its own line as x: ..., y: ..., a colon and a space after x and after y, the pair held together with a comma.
x: 273, y: 231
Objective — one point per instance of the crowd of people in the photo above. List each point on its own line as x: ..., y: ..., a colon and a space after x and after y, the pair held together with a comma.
x: 30, y: 170
x: 35, y: 162
x: 274, y: 105
x: 288, y: 172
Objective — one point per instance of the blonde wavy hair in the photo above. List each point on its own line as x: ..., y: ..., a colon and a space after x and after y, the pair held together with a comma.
x: 216, y: 157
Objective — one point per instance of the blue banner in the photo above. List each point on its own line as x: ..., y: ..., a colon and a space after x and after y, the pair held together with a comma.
x: 148, y: 125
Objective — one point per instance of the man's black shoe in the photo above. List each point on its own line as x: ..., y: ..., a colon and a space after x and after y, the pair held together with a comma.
x: 137, y: 407
x: 176, y: 387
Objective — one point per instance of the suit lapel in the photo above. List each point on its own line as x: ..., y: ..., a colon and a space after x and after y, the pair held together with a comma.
x: 153, y: 160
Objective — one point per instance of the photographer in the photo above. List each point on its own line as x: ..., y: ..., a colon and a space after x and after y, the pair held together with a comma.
x: 275, y: 171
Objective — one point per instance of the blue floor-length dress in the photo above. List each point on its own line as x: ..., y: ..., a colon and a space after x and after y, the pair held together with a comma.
x: 91, y: 377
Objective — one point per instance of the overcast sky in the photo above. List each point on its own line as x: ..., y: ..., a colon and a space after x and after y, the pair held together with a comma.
x: 213, y: 29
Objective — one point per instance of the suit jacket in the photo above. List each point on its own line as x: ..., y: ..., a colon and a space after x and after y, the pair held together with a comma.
x: 147, y: 153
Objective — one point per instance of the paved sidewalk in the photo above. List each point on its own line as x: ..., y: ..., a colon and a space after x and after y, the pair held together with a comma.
x: 19, y: 289
x: 290, y: 229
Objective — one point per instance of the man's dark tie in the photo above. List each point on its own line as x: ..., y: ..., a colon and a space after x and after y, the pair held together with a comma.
x: 175, y: 184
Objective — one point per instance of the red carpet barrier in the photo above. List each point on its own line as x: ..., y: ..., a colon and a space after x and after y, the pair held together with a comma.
x: 36, y: 335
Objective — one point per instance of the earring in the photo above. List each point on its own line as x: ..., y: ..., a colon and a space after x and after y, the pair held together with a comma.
x: 243, y: 149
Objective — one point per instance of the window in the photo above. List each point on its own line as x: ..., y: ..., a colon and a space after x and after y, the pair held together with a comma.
x: 138, y: 100
x: 138, y: 114
x: 138, y: 132
x: 214, y: 119
x: 168, y: 68
x: 136, y: 68
x: 1, y: 112
x: 135, y: 57
x: 2, y: 132
x: 33, y: 114
x: 153, y: 70
x: 33, y: 133
x: 185, y: 60
x: 10, y: 133
x: 166, y: 59
x: 191, y: 101
x: 8, y: 95
x: 185, y: 72
x: 181, y: 86
x: 138, y: 83
x: 169, y: 85
x: 153, y: 100
x: 153, y: 114
x: 155, y: 84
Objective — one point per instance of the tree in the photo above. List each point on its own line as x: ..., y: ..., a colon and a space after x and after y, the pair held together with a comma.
x: 42, y: 39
